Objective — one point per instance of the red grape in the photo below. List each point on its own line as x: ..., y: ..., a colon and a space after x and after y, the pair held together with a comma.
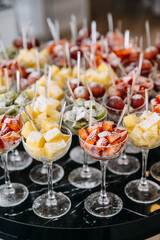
x: 74, y: 83
x: 115, y: 91
x: 98, y: 90
x: 81, y: 92
x: 116, y: 102
x: 137, y: 101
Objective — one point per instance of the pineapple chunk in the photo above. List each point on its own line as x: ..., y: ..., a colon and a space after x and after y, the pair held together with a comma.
x: 30, y: 91
x: 56, y: 92
x: 40, y: 118
x: 136, y: 134
x: 52, y: 134
x: 49, y: 110
x: 41, y: 90
x: 27, y: 129
x: 31, y: 113
x: 65, y: 137
x: 150, y: 121
x: 74, y: 71
x: 54, y: 70
x: 35, y: 139
x: 103, y: 67
x: 64, y: 73
x: 54, y: 102
x: 48, y: 123
x: 41, y: 81
x: 130, y: 121
x: 53, y: 148
x: 36, y: 153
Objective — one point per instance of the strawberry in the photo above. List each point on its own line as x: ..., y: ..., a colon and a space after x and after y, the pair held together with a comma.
x: 91, y: 139
x: 1, y: 144
x: 14, y: 136
x: 156, y: 108
x: 13, y: 124
x: 91, y: 129
x: 112, y: 150
x: 108, y: 125
x: 2, y: 118
x: 0, y: 125
x: 158, y: 98
x: 101, y: 144
x: 5, y: 129
x: 83, y: 133
x: 18, y: 118
x: 6, y: 137
x: 99, y: 124
x: 123, y: 135
x: 113, y: 137
x: 120, y: 129
x: 104, y: 134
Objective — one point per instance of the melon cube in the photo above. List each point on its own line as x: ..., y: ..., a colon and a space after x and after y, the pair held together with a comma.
x: 51, y: 134
x: 49, y: 110
x: 27, y: 129
x: 54, y: 147
x: 35, y: 139
x: 130, y: 121
x: 56, y: 92
x: 31, y: 113
x: 48, y: 123
x: 54, y: 70
x: 55, y: 116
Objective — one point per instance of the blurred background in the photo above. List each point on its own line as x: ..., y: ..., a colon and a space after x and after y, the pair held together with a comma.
x: 15, y: 14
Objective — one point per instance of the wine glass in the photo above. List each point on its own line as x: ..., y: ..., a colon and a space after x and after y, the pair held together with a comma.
x: 50, y: 205
x: 39, y: 173
x: 124, y: 164
x: 143, y: 190
x: 83, y: 177
x: 103, y: 204
x: 11, y: 194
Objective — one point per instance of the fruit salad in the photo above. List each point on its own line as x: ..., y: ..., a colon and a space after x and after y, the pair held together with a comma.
x: 102, y: 140
x: 144, y: 129
x: 10, y: 131
x: 43, y: 144
x: 155, y: 104
x: 76, y: 116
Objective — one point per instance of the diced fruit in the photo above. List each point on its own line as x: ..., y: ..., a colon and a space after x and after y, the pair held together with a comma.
x: 104, y: 134
x: 31, y: 113
x: 18, y: 118
x: 116, y: 102
x: 65, y: 137
x: 2, y: 118
x: 112, y: 150
x: 27, y: 129
x: 101, y: 144
x: 99, y: 125
x: 130, y: 121
x: 6, y: 137
x: 91, y: 139
x: 0, y: 125
x: 48, y: 123
x: 5, y: 129
x: 12, y: 124
x: 83, y: 134
x: 113, y: 137
x: 1, y: 144
x: 54, y: 147
x: 123, y: 135
x: 35, y: 139
x: 107, y: 125
x: 51, y: 134
x: 91, y: 129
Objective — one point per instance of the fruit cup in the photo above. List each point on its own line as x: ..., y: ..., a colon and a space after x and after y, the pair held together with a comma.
x: 83, y: 177
x: 103, y: 145
x: 49, y: 205
x: 125, y: 164
x: 143, y: 128
x: 11, y: 194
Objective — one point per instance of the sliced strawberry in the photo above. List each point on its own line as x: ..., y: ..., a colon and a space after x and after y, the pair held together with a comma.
x: 83, y: 133
x: 19, y: 119
x: 112, y: 150
x: 158, y: 98
x: 5, y: 129
x: 120, y: 129
x: 6, y: 137
x: 1, y: 144
x: 2, y: 118
x: 0, y: 125
x: 108, y: 125
x: 123, y: 135
x: 104, y: 134
x: 101, y: 144
x: 91, y: 129
x: 99, y: 124
x: 136, y: 88
x: 14, y: 136
x: 113, y: 137
x: 156, y: 108
x: 13, y: 124
x: 91, y: 139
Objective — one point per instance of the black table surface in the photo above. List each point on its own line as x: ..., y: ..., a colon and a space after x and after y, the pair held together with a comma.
x: 135, y: 221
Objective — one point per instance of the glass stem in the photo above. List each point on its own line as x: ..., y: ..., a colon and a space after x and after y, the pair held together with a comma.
x: 51, y: 195
x: 85, y: 169
x: 122, y: 160
x: 143, y: 186
x: 44, y: 169
x: 103, y: 199
x: 15, y: 155
x: 9, y: 188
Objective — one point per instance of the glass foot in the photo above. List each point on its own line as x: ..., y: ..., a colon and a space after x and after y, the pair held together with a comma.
x: 77, y: 155
x: 150, y: 196
x: 39, y: 174
x: 46, y: 209
x: 19, y: 195
x: 131, y: 149
x: 155, y: 171
x: 78, y: 180
x: 96, y: 208
x: 20, y: 162
x: 119, y: 167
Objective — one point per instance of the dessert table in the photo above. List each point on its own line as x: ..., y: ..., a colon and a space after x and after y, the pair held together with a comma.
x: 135, y: 221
